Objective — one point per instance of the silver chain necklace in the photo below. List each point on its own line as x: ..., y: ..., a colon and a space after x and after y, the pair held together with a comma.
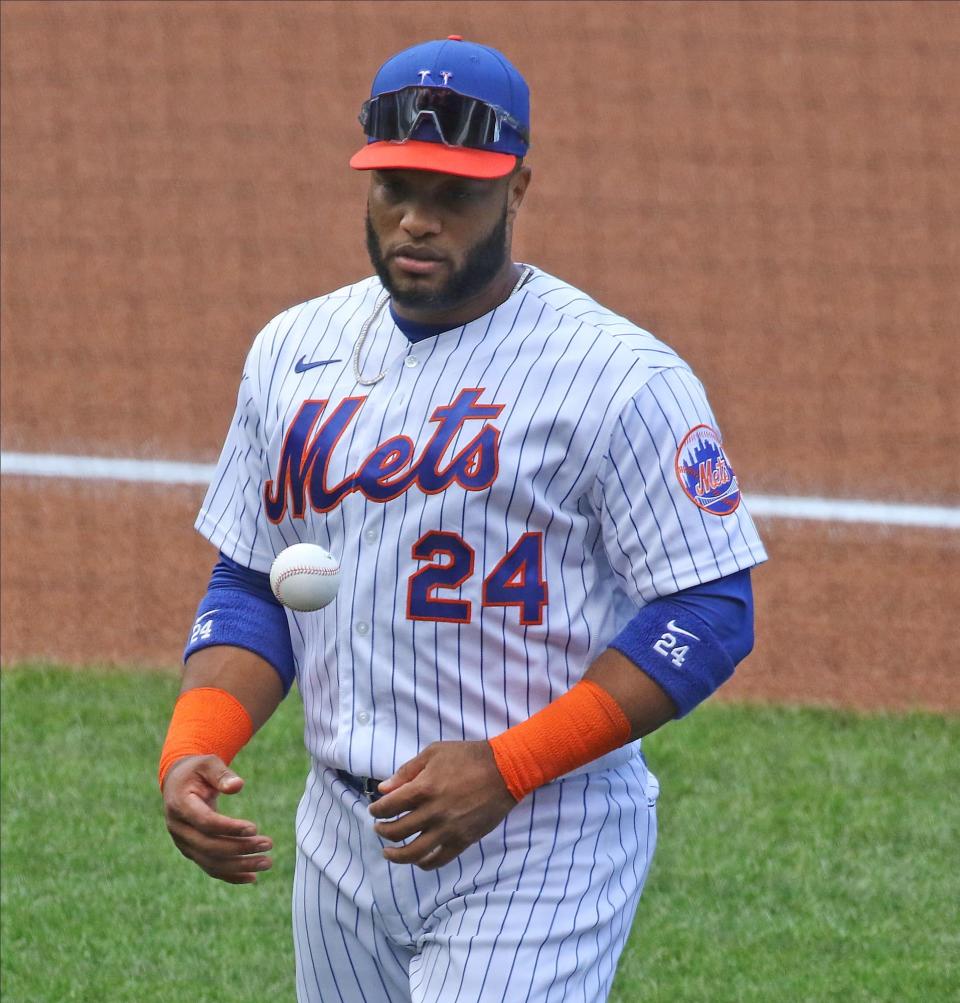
x: 367, y: 381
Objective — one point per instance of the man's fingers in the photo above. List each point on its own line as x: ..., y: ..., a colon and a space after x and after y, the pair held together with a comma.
x: 218, y: 775
x: 402, y: 800
x: 400, y: 828
x: 234, y: 867
x: 236, y: 879
x: 211, y: 770
x: 438, y: 856
x: 420, y: 849
x: 220, y: 846
x: 229, y: 783
x: 199, y: 815
x: 246, y: 878
x: 404, y: 774
x: 237, y: 869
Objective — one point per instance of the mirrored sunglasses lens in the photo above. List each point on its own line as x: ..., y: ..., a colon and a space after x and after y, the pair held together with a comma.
x: 462, y: 121
x: 476, y: 125
x: 383, y: 121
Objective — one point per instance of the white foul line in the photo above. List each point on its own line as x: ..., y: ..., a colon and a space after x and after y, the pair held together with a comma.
x: 104, y: 468
x: 853, y: 510
x: 763, y: 506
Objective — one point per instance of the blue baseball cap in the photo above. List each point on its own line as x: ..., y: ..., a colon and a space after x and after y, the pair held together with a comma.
x: 449, y: 106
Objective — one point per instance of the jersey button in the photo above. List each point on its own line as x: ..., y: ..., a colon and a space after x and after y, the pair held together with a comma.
x: 370, y: 535
x: 411, y: 362
x: 362, y: 628
x: 363, y: 717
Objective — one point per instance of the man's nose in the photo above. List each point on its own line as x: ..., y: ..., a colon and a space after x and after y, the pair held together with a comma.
x: 419, y: 220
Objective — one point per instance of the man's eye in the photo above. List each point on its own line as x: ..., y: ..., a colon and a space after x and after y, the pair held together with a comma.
x: 392, y: 190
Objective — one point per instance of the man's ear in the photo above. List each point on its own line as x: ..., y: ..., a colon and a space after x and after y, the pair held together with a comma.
x: 517, y: 183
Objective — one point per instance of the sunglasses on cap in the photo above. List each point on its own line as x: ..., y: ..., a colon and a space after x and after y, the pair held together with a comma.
x: 458, y: 119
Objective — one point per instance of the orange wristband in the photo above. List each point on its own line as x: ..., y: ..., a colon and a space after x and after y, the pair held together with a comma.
x: 206, y: 721
x: 582, y: 725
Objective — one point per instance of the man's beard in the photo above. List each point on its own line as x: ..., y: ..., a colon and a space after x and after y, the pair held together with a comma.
x: 482, y: 263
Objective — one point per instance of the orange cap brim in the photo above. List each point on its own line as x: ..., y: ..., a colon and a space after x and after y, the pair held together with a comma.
x: 416, y: 155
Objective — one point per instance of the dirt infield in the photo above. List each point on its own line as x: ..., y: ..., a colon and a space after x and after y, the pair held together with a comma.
x: 768, y: 187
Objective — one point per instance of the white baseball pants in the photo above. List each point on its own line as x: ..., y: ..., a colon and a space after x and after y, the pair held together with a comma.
x: 537, y: 912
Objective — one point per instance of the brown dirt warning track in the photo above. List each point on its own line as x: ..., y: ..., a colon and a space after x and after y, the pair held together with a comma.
x: 768, y: 187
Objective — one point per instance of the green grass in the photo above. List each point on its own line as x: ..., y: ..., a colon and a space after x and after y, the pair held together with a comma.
x: 804, y: 855
x: 97, y: 903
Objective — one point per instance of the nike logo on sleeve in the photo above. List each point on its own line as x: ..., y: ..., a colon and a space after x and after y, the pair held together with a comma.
x: 672, y: 625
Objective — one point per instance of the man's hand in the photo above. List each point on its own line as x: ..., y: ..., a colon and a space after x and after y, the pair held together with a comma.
x: 452, y: 794
x: 226, y: 848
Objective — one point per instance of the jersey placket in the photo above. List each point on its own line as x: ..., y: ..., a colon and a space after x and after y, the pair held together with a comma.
x: 363, y: 519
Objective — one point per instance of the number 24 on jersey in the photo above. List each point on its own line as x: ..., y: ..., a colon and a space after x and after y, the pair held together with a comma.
x: 517, y: 580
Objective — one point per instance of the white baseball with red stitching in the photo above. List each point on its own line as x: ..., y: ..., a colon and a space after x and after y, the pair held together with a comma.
x: 305, y: 577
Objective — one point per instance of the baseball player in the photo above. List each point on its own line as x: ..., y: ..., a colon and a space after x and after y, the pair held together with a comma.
x: 545, y: 556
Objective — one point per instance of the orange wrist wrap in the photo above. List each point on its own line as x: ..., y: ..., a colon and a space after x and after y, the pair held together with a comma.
x: 205, y: 721
x: 582, y: 725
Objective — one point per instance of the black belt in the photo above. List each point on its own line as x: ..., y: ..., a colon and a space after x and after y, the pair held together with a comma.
x: 367, y: 786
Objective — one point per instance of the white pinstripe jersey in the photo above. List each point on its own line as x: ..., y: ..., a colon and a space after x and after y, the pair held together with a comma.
x: 502, y: 502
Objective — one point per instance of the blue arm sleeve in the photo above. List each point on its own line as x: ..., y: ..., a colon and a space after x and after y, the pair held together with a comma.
x: 241, y: 610
x: 689, y: 643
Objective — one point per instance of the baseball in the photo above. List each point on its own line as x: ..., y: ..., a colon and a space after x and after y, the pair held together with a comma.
x: 305, y: 577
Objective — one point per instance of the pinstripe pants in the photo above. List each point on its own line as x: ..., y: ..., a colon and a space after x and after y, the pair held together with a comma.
x: 538, y: 910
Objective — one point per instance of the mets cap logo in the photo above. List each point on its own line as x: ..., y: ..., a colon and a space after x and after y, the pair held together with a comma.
x: 705, y: 474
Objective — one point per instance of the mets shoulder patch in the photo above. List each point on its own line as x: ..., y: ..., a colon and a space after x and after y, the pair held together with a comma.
x: 705, y: 474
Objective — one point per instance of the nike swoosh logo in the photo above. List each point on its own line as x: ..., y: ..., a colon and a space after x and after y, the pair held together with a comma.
x: 672, y: 625
x: 302, y: 366
x: 209, y: 612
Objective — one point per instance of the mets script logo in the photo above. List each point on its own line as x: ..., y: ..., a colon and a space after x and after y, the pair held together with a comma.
x: 391, y: 468
x: 704, y: 472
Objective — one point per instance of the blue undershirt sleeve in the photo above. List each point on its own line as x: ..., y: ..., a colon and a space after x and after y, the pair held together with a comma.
x: 241, y: 610
x: 690, y: 642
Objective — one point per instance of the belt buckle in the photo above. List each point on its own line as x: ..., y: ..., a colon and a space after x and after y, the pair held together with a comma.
x: 369, y: 790
x: 365, y: 786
